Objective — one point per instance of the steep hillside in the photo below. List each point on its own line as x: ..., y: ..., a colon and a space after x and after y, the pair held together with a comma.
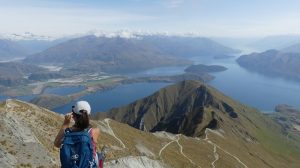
x: 28, y: 131
x: 191, y: 108
x: 248, y: 140
x: 26, y: 135
x: 273, y: 63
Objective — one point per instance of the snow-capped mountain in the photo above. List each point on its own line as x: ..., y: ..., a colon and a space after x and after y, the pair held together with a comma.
x: 26, y: 36
x: 137, y: 34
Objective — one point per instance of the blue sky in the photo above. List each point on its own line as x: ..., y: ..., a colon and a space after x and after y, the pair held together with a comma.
x: 231, y: 18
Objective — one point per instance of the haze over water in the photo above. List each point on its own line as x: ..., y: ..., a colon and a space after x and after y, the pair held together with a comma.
x: 252, y: 89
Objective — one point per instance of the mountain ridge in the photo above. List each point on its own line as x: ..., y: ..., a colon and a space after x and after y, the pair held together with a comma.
x: 177, y: 98
x: 117, y: 54
x: 24, y: 125
x: 278, y: 42
x: 91, y: 53
x: 243, y: 124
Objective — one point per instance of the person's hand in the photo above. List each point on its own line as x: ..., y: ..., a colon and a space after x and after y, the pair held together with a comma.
x: 67, y: 120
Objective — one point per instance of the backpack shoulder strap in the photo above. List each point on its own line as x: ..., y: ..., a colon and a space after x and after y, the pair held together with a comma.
x: 90, y: 131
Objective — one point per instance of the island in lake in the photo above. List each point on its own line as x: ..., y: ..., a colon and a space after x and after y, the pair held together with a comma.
x: 201, y: 68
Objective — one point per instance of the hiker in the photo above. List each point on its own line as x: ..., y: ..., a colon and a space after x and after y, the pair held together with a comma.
x: 77, y: 143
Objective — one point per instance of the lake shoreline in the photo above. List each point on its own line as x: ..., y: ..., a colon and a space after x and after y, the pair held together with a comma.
x: 42, y: 99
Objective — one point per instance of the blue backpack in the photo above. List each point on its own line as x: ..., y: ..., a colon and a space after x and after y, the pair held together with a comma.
x: 77, y: 150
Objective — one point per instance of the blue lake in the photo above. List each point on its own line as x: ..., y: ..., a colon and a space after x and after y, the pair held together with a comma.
x: 65, y: 90
x: 253, y: 89
x: 256, y: 90
x: 119, y: 96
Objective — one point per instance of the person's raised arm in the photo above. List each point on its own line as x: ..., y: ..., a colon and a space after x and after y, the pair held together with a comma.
x: 60, y: 135
x: 96, y: 133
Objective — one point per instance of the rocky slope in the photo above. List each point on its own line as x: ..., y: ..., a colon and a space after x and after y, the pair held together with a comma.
x: 247, y: 140
x: 274, y: 63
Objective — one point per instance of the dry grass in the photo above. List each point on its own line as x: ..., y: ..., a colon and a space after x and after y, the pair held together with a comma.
x: 44, y: 125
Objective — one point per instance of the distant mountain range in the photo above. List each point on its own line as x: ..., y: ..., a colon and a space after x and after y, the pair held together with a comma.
x: 275, y: 42
x: 292, y: 49
x: 116, y: 54
x: 26, y: 36
x: 225, y: 133
x: 10, y: 49
x: 273, y: 63
x: 13, y: 73
x: 35, y: 46
x: 256, y: 44
x: 90, y: 54
x: 185, y: 47
x: 17, y: 73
